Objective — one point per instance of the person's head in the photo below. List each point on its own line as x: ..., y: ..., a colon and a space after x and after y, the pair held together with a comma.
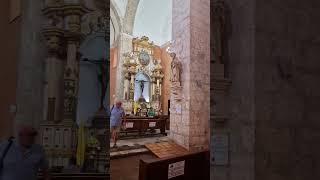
x: 118, y: 104
x: 27, y: 135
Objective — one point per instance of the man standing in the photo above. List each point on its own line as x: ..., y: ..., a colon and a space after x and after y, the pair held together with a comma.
x: 117, y: 113
x: 21, y: 158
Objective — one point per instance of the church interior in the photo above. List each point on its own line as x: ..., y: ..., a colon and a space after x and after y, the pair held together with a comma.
x: 221, y: 88
x: 140, y: 64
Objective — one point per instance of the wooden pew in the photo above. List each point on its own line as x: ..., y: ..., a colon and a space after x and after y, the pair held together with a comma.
x: 196, y: 166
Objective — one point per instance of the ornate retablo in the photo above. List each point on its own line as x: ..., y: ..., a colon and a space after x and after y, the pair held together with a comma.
x: 143, y: 77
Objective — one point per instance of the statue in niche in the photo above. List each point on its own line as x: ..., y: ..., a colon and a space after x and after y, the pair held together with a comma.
x: 176, y: 69
x: 218, y: 28
x: 142, y: 86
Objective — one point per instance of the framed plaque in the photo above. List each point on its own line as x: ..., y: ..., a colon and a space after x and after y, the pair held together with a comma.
x: 220, y: 149
x: 129, y: 125
x: 176, y: 169
x: 152, y: 124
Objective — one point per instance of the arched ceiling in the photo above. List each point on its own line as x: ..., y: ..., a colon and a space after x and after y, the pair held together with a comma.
x: 115, y: 22
x: 122, y: 5
x: 152, y: 18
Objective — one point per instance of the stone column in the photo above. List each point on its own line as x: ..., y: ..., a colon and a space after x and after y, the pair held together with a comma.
x: 70, y: 83
x: 125, y: 46
x: 54, y: 74
x: 189, y: 113
x: 219, y: 88
x: 30, y: 80
x: 73, y: 13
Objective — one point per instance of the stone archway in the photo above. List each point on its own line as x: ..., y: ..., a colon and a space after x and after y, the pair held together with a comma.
x: 130, y: 15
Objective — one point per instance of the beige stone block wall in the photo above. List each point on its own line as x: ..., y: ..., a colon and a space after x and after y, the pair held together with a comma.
x: 191, y: 34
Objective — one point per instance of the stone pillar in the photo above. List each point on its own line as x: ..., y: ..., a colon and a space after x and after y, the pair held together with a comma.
x: 73, y: 13
x: 30, y: 68
x: 54, y: 74
x: 219, y: 88
x: 189, y: 112
x: 125, y: 46
x: 70, y: 83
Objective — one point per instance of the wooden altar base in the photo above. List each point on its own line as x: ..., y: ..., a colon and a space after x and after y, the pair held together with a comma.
x: 166, y: 149
x: 135, y: 126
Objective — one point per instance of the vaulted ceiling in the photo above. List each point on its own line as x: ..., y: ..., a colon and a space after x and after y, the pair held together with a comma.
x: 151, y: 18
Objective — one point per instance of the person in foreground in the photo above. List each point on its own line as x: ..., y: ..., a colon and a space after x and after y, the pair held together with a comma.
x: 117, y: 113
x: 21, y: 158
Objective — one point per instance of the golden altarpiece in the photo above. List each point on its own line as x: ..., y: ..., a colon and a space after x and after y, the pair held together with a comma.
x: 143, y: 77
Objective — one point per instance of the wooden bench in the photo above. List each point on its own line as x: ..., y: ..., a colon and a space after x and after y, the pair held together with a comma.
x: 196, y: 166
x: 141, y: 125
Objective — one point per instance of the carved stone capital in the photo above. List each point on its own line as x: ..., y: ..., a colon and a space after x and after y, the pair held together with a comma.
x: 73, y: 14
x: 54, y: 41
x: 53, y: 3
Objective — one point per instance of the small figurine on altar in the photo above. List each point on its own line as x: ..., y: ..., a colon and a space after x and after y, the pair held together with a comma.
x: 92, y: 141
x: 151, y: 112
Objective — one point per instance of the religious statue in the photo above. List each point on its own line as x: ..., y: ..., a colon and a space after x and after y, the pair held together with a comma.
x: 176, y: 69
x: 218, y: 28
x: 142, y: 86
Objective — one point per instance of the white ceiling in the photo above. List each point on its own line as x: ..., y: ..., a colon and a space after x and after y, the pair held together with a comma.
x: 154, y: 19
x: 121, y: 4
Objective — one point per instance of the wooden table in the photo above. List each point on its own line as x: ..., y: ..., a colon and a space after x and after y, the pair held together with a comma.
x: 141, y: 125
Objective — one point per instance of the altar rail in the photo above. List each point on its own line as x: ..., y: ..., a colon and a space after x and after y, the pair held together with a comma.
x: 196, y: 166
x: 141, y: 125
x: 80, y: 176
